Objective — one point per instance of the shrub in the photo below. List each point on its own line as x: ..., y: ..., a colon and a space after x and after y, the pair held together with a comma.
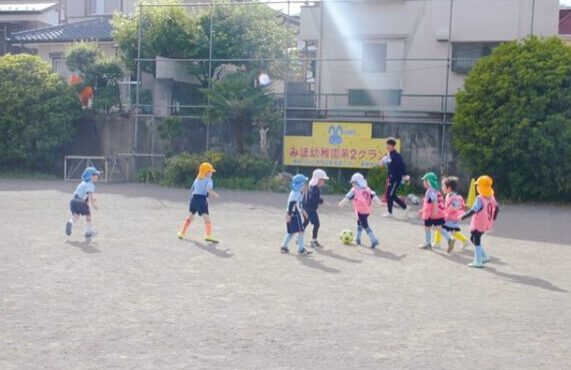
x: 37, y: 113
x: 513, y: 119
x: 245, y: 171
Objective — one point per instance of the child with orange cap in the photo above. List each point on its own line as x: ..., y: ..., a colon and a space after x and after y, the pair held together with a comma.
x: 201, y: 189
x: 484, y: 213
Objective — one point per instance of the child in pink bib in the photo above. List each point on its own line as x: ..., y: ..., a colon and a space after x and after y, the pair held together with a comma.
x: 432, y: 211
x: 483, y: 213
x: 362, y: 198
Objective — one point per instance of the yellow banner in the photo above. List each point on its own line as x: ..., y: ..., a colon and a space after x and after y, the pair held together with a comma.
x: 336, y: 144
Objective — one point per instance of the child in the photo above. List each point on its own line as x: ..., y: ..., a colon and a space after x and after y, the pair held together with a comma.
x: 201, y: 189
x: 432, y: 209
x: 484, y: 213
x: 311, y: 201
x: 362, y: 197
x: 454, y: 208
x: 82, y: 198
x: 294, y: 221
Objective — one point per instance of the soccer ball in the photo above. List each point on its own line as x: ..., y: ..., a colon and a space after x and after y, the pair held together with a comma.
x: 413, y: 199
x: 346, y: 236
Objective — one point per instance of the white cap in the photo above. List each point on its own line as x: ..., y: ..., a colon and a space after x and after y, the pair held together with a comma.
x: 318, y: 174
x: 359, y: 179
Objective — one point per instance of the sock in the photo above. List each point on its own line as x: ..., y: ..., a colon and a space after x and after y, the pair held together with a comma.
x: 444, y: 233
x: 437, y: 237
x: 372, y: 236
x: 185, y: 226
x: 483, y: 253
x: 71, y: 220
x: 208, y: 229
x: 359, y: 232
x: 286, y: 240
x: 427, y: 236
x: 459, y: 236
x: 478, y: 254
x: 300, y: 246
x: 88, y: 228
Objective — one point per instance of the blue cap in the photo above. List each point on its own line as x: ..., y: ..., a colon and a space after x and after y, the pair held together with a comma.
x: 88, y: 173
x: 298, y: 181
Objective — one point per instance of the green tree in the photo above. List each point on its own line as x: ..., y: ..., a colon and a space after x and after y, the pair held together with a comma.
x: 100, y: 72
x: 513, y: 119
x: 166, y: 31
x: 37, y: 113
x: 238, y: 33
x: 236, y: 101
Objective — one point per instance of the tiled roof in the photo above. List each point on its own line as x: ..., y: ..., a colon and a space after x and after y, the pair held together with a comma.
x: 98, y: 29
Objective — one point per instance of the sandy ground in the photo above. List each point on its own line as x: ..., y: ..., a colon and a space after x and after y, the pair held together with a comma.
x: 136, y: 297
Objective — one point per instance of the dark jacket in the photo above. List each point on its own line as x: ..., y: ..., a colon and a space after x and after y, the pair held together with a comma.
x: 312, y: 199
x: 397, y: 168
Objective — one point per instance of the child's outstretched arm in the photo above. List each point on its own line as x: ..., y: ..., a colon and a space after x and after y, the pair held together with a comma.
x: 213, y: 193
x: 343, y: 202
x: 475, y: 209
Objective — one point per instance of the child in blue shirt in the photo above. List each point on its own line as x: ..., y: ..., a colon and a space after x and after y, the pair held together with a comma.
x: 294, y: 219
x: 311, y: 201
x: 201, y: 189
x: 82, y: 198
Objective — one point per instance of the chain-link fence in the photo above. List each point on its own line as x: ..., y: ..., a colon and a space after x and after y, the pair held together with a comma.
x: 396, y: 64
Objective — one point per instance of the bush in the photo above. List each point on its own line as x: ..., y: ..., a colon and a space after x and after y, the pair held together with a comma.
x: 37, y: 113
x: 513, y: 119
x: 242, y: 171
x: 150, y: 176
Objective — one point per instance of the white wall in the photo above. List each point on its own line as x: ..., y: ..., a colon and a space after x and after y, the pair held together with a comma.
x: 412, y: 30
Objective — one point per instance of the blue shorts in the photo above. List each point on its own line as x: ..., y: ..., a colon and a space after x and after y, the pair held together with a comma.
x: 79, y: 207
x: 296, y: 224
x: 198, y: 204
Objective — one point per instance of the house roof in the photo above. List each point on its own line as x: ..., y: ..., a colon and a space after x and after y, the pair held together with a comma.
x: 26, y: 7
x: 98, y: 29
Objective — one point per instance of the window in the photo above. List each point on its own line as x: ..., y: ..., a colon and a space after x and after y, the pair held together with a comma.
x: 102, y: 7
x: 374, y: 58
x: 386, y: 97
x: 465, y: 55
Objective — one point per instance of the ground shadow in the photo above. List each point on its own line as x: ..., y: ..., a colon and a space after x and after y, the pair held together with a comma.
x: 86, y: 246
x: 329, y: 253
x: 385, y: 254
x: 518, y: 279
x: 212, y: 248
x: 311, y: 262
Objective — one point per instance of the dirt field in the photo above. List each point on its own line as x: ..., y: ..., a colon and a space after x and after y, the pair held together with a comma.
x: 136, y: 297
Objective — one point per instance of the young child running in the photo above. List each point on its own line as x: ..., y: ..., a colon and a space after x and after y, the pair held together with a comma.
x: 201, y: 189
x: 311, y: 201
x: 294, y: 220
x: 454, y: 208
x: 484, y: 213
x: 432, y: 209
x: 82, y: 199
x: 362, y: 198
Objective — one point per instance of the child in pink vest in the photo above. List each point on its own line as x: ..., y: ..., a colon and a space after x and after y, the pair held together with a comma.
x: 362, y: 198
x: 484, y: 213
x: 432, y: 209
x: 454, y: 209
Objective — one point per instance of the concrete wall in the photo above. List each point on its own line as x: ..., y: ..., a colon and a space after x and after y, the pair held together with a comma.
x: 421, y: 142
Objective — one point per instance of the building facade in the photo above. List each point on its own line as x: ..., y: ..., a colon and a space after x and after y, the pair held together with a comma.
x: 404, y: 58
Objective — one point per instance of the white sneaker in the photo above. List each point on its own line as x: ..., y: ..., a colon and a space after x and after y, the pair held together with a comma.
x: 388, y: 215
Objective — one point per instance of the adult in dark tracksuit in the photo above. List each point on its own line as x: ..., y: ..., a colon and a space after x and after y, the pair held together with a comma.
x: 397, y: 170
